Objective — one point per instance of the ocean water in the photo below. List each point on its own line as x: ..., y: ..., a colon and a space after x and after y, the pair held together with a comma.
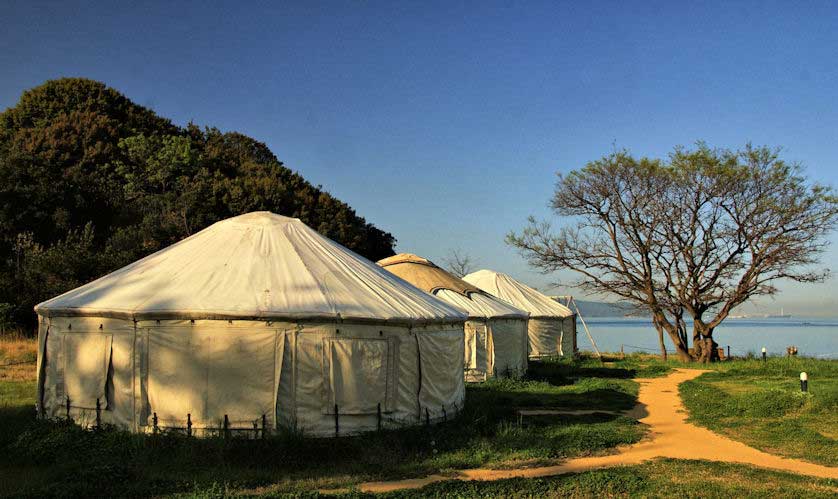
x: 813, y: 337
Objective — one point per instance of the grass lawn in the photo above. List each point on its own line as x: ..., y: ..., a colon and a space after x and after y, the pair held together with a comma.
x: 39, y: 458
x: 660, y: 478
x: 762, y: 405
x: 53, y: 458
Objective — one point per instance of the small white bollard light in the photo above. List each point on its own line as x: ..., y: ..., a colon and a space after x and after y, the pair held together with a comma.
x: 764, y: 352
x: 804, y: 382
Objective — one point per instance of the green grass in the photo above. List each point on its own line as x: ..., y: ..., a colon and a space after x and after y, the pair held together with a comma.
x: 743, y: 399
x: 660, y: 478
x: 41, y: 458
x: 762, y: 406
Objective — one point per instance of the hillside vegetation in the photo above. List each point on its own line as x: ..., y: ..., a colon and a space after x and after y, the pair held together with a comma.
x: 92, y: 182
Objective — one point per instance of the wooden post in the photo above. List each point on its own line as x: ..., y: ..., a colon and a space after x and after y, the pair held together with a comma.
x: 68, y: 409
x: 728, y: 352
x: 337, y: 423
x: 154, y: 422
x: 226, y: 427
x: 444, y: 414
x: 98, y: 414
x: 189, y: 425
x: 622, y: 353
x: 264, y: 426
x: 379, y: 416
x: 585, y: 326
x: 427, y: 417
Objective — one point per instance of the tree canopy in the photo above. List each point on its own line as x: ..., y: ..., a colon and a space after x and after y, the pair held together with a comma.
x: 92, y: 182
x: 688, y: 238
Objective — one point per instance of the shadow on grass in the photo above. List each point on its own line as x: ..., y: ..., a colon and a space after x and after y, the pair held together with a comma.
x: 506, y: 403
x: 72, y: 461
x: 561, y: 372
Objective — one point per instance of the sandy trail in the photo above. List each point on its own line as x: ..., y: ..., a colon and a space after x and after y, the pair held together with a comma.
x: 660, y: 407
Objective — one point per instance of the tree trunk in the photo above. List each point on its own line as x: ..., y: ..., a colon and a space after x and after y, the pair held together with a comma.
x: 706, y: 350
x: 675, y: 334
x: 662, y: 344
x: 680, y: 347
x: 659, y: 327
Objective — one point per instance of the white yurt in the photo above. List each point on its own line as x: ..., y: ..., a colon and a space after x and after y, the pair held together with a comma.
x: 495, y: 333
x: 255, y: 321
x: 552, y: 326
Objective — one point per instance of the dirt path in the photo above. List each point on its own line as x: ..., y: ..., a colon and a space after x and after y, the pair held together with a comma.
x: 660, y: 407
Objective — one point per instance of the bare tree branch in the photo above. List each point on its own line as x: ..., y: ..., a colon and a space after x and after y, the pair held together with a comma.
x: 696, y: 235
x: 459, y: 262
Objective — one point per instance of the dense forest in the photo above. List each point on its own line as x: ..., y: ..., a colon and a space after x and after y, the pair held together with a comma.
x: 92, y: 181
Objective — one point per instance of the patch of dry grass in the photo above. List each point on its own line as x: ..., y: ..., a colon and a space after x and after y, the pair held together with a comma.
x: 17, y: 358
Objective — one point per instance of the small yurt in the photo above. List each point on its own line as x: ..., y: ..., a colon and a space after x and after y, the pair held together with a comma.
x: 552, y: 326
x: 495, y: 333
x: 256, y: 322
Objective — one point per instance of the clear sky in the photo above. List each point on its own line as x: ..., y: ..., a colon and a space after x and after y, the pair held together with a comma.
x: 445, y: 124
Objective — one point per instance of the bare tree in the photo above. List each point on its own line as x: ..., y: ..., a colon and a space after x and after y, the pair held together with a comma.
x: 459, y: 263
x: 688, y: 238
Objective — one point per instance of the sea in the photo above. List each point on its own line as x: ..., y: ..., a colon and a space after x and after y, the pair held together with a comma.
x: 813, y: 337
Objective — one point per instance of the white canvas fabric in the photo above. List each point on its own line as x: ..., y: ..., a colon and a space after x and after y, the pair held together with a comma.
x: 209, y: 374
x: 258, y: 265
x: 87, y: 357
x: 509, y: 347
x: 517, y: 293
x: 484, y: 342
x: 481, y: 305
x: 257, y: 320
x: 552, y: 326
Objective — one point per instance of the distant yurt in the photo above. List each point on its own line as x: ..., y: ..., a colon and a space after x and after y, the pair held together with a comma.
x: 552, y: 326
x: 255, y: 322
x: 495, y: 333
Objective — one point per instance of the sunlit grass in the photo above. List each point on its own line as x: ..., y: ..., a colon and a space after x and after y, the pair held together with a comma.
x: 58, y: 456
x: 661, y: 478
x: 763, y: 406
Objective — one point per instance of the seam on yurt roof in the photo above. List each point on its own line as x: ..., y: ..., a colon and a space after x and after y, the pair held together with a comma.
x: 315, y: 278
x: 125, y: 269
x: 228, y: 315
x: 386, y: 276
x: 177, y: 273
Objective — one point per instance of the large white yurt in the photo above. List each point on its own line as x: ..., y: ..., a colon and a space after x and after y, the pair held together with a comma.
x: 552, y: 326
x: 495, y: 333
x: 256, y: 320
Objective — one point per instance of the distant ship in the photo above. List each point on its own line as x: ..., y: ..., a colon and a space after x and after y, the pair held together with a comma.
x: 782, y: 315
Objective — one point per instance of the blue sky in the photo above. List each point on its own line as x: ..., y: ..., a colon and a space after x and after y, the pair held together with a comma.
x: 445, y: 124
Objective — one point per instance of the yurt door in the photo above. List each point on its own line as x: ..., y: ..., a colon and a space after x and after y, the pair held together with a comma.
x: 476, y: 348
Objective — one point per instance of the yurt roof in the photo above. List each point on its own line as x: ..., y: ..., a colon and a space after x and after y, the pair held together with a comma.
x: 517, y: 293
x: 258, y: 265
x: 427, y: 276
